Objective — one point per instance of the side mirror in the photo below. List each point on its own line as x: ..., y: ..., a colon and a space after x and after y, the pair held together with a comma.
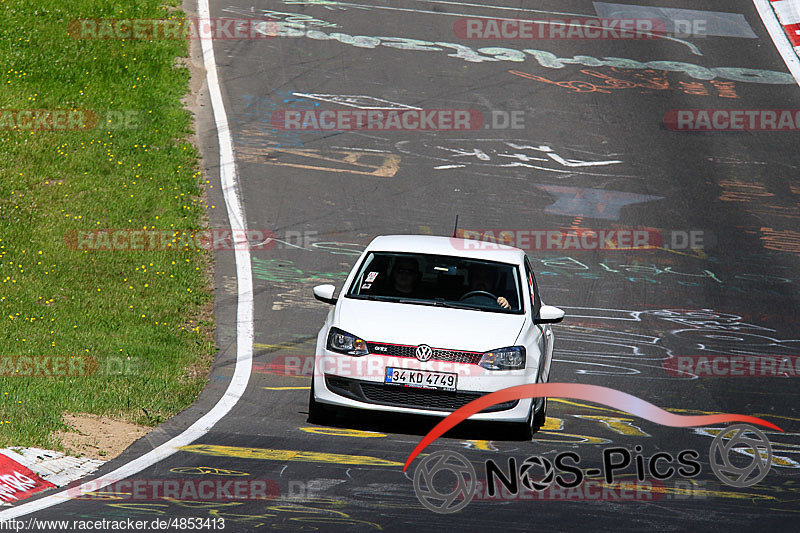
x: 324, y: 293
x: 550, y: 315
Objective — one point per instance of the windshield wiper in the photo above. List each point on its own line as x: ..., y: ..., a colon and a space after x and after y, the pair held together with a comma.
x: 375, y: 298
x: 417, y: 301
x: 400, y: 300
x: 454, y: 305
x: 393, y: 299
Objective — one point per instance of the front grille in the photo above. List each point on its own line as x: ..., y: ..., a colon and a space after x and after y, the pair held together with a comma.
x: 439, y: 354
x: 399, y: 396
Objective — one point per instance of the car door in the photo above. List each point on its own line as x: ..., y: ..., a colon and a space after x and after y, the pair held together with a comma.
x: 544, y: 332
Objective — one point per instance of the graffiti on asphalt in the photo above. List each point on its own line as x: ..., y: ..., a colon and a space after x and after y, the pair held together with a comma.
x: 651, y: 273
x: 544, y: 58
x: 647, y: 80
x: 563, y: 161
x: 283, y: 270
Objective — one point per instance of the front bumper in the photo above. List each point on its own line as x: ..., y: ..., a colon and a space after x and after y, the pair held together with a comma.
x: 358, y: 382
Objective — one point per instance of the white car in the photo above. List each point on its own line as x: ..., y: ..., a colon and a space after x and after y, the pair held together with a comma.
x: 426, y: 324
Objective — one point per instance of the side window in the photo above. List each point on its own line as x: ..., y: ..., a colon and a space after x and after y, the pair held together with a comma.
x: 536, y: 302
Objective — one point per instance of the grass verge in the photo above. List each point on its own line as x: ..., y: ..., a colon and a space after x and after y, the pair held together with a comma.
x: 135, y: 323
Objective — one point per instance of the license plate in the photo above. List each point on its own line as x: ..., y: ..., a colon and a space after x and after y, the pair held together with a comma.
x: 424, y: 379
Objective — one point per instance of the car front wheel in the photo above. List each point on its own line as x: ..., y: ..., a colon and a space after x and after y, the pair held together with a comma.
x: 317, y: 412
x: 536, y: 419
x: 541, y: 415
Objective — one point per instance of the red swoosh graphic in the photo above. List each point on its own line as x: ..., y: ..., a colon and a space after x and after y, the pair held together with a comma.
x: 577, y: 391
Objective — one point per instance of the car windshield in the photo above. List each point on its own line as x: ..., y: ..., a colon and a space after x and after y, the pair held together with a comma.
x: 438, y: 280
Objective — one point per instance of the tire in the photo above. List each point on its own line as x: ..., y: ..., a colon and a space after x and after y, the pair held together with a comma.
x: 317, y: 413
x: 540, y: 417
x: 526, y: 430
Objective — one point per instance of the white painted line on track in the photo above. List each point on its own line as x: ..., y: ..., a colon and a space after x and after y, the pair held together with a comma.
x: 244, y: 312
x: 778, y: 36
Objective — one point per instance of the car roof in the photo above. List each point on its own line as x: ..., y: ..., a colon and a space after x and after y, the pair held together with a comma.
x: 429, y: 244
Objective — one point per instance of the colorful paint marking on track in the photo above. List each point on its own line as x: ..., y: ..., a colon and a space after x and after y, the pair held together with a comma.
x: 268, y: 454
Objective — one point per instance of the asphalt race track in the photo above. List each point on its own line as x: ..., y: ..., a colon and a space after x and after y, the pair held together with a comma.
x: 592, y: 151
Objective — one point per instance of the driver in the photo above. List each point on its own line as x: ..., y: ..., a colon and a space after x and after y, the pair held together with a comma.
x: 484, y: 278
x: 405, y: 279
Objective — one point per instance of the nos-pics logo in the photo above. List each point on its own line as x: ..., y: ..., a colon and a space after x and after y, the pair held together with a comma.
x: 445, y: 481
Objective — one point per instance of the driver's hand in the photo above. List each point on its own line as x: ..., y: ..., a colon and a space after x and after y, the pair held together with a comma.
x: 503, y: 303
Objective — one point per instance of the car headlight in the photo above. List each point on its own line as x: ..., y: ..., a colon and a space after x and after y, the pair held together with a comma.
x: 343, y: 342
x: 511, y: 358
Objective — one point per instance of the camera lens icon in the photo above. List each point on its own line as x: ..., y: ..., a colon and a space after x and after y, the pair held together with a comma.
x: 455, y: 486
x: 730, y: 450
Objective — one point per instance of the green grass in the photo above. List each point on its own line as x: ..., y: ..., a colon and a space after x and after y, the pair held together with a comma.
x: 147, y: 312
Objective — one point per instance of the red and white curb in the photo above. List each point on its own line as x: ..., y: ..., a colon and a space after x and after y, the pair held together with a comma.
x: 788, y: 13
x: 26, y: 471
x: 781, y: 18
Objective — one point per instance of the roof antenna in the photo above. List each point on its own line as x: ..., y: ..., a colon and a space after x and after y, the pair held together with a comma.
x: 455, y: 228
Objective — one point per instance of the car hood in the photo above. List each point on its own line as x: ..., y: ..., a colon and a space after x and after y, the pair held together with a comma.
x: 438, y: 327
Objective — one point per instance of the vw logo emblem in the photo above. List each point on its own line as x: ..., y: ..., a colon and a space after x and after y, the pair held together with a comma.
x: 424, y: 352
